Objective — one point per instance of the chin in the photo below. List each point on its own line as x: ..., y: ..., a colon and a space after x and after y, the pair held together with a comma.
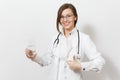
x: 66, y: 27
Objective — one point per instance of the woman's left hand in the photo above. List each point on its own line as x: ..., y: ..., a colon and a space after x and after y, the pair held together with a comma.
x: 74, y: 64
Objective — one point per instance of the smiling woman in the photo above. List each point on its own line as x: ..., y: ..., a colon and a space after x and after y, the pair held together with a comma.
x: 67, y: 49
x: 67, y: 20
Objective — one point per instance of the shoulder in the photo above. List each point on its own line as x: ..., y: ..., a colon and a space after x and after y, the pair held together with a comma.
x: 85, y: 38
x: 54, y: 37
x: 84, y: 35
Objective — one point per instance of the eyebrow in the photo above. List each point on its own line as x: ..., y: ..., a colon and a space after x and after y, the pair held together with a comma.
x: 67, y: 14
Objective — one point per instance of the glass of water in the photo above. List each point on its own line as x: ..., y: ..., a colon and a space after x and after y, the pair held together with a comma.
x: 31, y: 45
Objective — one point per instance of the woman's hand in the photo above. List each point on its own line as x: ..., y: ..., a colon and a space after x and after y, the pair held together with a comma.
x: 74, y: 64
x: 30, y: 54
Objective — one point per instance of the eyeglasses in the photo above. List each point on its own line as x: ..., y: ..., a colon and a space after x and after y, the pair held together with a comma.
x: 67, y: 17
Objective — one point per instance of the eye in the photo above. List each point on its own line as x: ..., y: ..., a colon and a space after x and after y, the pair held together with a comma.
x: 69, y: 15
x: 62, y: 17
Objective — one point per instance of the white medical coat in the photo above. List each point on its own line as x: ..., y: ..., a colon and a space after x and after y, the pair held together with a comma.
x: 57, y: 55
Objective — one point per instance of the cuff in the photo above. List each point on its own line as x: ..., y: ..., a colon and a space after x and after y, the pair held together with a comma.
x: 84, y: 66
x: 38, y: 60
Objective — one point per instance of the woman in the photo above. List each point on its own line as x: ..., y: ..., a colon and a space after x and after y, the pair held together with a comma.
x: 68, y: 48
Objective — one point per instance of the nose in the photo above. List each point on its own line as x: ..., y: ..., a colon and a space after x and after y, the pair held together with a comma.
x: 65, y: 19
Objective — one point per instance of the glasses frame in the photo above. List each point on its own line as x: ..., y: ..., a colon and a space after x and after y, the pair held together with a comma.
x: 68, y: 16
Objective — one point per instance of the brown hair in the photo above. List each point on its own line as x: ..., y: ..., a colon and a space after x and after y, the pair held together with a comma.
x: 63, y: 7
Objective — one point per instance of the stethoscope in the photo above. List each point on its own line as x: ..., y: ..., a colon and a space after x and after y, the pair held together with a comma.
x: 56, y: 42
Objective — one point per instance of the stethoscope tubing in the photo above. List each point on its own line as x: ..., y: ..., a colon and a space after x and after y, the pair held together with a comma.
x: 57, y: 40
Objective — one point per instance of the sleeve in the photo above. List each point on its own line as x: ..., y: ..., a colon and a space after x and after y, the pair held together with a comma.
x: 47, y: 57
x: 96, y: 61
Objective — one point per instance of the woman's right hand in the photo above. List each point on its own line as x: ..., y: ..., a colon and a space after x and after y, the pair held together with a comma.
x: 30, y: 54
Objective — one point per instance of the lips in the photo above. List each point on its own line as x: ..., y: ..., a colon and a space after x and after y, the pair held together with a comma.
x: 66, y: 23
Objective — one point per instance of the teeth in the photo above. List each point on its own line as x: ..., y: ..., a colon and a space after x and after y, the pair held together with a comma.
x: 66, y: 23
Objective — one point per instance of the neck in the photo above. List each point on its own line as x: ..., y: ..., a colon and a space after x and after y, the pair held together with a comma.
x: 67, y: 31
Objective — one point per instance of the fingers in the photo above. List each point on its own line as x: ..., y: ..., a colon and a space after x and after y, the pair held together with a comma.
x: 30, y: 54
x: 70, y: 62
x: 74, y: 61
x: 74, y: 65
x: 75, y: 58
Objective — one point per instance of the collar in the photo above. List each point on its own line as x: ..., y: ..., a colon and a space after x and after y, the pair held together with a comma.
x: 73, y: 31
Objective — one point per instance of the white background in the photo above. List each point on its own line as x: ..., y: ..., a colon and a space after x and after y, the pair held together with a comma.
x: 24, y: 20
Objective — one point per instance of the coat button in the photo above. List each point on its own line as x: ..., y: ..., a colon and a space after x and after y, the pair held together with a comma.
x: 83, y: 68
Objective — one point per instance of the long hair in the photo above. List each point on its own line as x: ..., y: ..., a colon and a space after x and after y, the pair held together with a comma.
x: 63, y: 7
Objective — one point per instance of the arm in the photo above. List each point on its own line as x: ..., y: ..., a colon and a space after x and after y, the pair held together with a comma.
x: 96, y: 61
x: 42, y: 60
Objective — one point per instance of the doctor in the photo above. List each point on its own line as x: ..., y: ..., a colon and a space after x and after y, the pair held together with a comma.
x: 68, y: 49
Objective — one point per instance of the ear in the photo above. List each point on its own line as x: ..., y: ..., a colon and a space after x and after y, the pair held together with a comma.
x: 75, y: 18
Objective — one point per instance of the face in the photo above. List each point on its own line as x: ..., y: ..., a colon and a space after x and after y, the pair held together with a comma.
x: 67, y: 19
